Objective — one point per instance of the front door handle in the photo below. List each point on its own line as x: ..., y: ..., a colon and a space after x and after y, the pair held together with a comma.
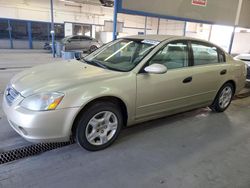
x: 188, y: 79
x: 223, y: 72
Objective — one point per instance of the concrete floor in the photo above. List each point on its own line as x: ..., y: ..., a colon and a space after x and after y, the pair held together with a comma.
x: 196, y: 149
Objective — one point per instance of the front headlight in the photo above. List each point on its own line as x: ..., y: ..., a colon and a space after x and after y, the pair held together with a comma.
x: 42, y: 101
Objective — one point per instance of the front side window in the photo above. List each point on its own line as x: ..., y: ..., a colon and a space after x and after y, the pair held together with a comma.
x: 122, y: 54
x: 173, y: 55
x: 204, y: 54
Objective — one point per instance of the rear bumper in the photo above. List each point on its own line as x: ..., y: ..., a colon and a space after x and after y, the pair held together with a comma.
x: 44, y: 126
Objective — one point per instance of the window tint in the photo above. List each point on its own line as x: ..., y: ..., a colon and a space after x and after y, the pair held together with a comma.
x: 174, y: 55
x: 204, y: 54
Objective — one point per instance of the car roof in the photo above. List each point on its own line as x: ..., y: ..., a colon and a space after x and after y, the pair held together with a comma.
x: 161, y: 38
x: 151, y: 37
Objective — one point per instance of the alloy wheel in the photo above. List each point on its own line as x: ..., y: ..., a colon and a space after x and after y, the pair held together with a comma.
x: 101, y: 128
x: 225, y: 97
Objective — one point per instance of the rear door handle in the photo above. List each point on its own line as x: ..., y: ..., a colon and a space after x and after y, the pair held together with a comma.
x: 223, y: 72
x: 188, y: 79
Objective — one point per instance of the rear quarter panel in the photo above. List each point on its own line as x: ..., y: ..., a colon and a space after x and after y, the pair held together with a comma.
x: 237, y: 73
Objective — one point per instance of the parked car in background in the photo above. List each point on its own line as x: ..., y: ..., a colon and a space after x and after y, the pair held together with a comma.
x: 246, y: 59
x: 79, y: 42
x: 76, y: 42
x: 125, y: 82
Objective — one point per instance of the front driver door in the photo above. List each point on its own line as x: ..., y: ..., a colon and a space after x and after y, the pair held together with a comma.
x: 159, y: 94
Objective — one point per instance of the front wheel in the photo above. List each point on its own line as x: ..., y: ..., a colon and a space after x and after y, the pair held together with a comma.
x: 223, y: 98
x: 99, y: 126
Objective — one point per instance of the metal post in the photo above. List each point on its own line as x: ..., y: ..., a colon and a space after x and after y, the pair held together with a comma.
x: 115, y: 20
x: 231, y: 41
x: 158, y: 26
x: 210, y: 32
x: 52, y: 27
x: 10, y: 34
x: 184, y: 29
x: 30, y: 35
x: 145, y: 27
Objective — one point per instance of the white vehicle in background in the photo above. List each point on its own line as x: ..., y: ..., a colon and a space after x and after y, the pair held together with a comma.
x: 246, y: 59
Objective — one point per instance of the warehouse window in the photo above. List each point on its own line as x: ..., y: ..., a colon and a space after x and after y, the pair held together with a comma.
x: 59, y: 31
x: 19, y: 30
x: 4, y: 32
x: 40, y: 31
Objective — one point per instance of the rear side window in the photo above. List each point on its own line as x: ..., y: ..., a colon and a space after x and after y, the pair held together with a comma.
x: 174, y: 55
x: 205, y: 54
x: 84, y: 38
x: 75, y: 38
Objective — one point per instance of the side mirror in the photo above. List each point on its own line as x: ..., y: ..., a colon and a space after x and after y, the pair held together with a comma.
x: 156, y: 69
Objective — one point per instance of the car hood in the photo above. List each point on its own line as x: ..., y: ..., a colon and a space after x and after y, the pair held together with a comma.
x: 58, y: 76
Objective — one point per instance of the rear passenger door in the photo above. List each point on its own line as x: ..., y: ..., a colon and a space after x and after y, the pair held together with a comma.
x: 209, y: 70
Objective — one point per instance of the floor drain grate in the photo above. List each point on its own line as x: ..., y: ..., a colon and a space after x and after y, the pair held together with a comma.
x: 32, y: 150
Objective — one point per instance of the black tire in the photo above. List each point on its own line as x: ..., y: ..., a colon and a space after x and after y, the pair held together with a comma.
x: 216, y: 106
x: 93, y: 48
x: 86, y: 116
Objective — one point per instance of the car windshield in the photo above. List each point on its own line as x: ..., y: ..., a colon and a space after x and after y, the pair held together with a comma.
x: 122, y: 54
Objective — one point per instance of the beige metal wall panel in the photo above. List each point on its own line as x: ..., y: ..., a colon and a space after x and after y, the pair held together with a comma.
x: 244, y: 20
x: 215, y: 11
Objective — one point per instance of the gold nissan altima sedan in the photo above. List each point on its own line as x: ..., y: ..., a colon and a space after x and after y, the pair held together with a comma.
x: 127, y: 81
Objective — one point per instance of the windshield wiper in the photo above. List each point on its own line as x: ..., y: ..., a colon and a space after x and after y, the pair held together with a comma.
x: 97, y: 63
x: 94, y: 62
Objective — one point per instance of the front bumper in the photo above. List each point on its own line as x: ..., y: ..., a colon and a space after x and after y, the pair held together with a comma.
x: 43, y: 126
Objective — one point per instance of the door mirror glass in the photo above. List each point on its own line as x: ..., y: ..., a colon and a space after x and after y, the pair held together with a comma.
x: 156, y: 69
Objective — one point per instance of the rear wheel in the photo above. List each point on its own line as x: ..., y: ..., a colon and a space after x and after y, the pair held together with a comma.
x: 99, y: 126
x: 93, y: 48
x: 223, y: 98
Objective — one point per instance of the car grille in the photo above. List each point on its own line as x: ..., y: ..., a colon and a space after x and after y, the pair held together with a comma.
x: 248, y: 72
x: 10, y: 95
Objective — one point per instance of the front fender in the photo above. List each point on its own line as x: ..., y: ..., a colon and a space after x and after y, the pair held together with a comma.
x: 123, y: 88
